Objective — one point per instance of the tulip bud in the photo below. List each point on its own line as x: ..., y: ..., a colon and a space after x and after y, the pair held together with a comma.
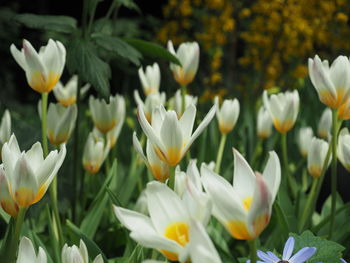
x: 28, y: 174
x: 74, y: 254
x: 27, y: 254
x: 151, y: 102
x: 95, y: 152
x: 304, y: 140
x: 283, y: 109
x: 331, y: 83
x: 325, y: 124
x: 227, y: 115
x: 6, y: 200
x: 316, y: 156
x: 67, y: 95
x: 150, y: 79
x: 175, y: 102
x: 264, y: 123
x: 43, y: 69
x: 60, y: 122
x: 107, y: 115
x: 188, y: 55
x: 5, y: 128
x: 343, y: 149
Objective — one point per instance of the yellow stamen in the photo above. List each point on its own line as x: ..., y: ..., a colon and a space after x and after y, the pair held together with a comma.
x: 178, y: 232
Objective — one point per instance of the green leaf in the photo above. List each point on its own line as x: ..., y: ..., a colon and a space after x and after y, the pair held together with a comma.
x: 63, y: 24
x: 327, y: 251
x: 83, y: 60
x: 92, y: 247
x: 281, y: 219
x: 129, y: 4
x: 152, y: 50
x: 118, y: 46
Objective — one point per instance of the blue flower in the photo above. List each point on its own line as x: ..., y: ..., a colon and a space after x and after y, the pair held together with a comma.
x: 300, y: 257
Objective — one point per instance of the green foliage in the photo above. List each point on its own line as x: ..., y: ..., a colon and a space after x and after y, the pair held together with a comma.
x: 63, y: 24
x: 327, y: 251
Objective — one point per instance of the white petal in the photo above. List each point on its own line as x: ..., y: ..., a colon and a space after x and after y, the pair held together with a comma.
x: 272, y: 174
x: 26, y: 252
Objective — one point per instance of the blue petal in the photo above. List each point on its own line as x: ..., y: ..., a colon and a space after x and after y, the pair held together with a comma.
x: 303, y: 255
x: 288, y: 248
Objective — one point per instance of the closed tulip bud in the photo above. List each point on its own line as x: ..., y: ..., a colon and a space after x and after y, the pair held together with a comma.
x: 316, y: 156
x: 150, y: 79
x: 283, y: 108
x: 158, y: 168
x: 107, y: 115
x: 151, y: 102
x: 305, y: 136
x: 60, y: 122
x: 331, y: 83
x: 5, y: 128
x: 43, y: 69
x: 227, y: 115
x: 67, y: 95
x: 264, y: 123
x: 27, y: 254
x: 79, y: 254
x: 343, y: 149
x: 175, y: 102
x: 188, y: 55
x: 325, y: 124
x: 95, y: 152
x: 28, y: 174
x: 245, y: 207
x: 6, y: 200
x: 171, y: 137
x: 344, y: 111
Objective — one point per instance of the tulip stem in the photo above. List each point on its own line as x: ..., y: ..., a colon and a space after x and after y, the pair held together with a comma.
x: 291, y: 182
x: 257, y: 151
x: 334, y: 169
x: 252, y: 246
x: 11, y: 251
x: 183, y: 96
x: 57, y: 221
x: 308, y: 205
x: 44, y: 98
x: 172, y: 177
x: 220, y: 153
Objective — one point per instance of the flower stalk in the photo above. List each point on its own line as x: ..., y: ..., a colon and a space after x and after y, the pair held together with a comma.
x: 172, y: 177
x: 252, y: 246
x: 183, y: 97
x: 220, y: 153
x: 291, y: 182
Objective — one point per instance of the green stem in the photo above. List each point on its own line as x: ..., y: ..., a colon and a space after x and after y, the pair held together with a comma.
x: 257, y: 151
x: 183, y: 96
x: 10, y: 254
x: 309, y: 203
x: 220, y: 153
x: 291, y: 182
x: 44, y: 98
x: 334, y: 169
x: 91, y: 18
x: 111, y: 9
x: 252, y: 246
x: 172, y: 177
x: 57, y: 220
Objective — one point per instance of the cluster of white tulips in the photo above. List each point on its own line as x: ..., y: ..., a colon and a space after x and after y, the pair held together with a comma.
x: 173, y: 211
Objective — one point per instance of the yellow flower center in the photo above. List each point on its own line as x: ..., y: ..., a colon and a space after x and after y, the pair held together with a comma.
x: 179, y: 232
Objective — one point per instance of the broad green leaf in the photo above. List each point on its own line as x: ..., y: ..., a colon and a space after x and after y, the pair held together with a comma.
x: 92, y: 247
x: 118, y: 46
x: 281, y: 219
x: 83, y: 60
x: 151, y: 50
x: 327, y: 251
x: 63, y: 24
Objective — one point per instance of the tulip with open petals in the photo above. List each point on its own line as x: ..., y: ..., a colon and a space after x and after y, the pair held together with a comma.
x: 305, y: 136
x: 188, y: 55
x: 167, y: 229
x: 67, y: 95
x: 107, y: 115
x: 244, y: 208
x: 343, y: 149
x: 28, y: 174
x: 316, y: 156
x: 95, y: 152
x: 79, y: 254
x: 26, y: 252
x: 331, y: 83
x: 5, y: 128
x: 150, y: 79
x: 227, y: 115
x: 264, y: 123
x: 171, y: 137
x: 283, y: 108
x: 43, y: 69
x: 325, y: 124
x: 151, y: 102
x: 158, y: 168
